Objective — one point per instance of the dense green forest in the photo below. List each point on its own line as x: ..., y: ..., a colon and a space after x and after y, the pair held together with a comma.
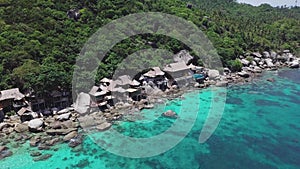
x: 39, y: 43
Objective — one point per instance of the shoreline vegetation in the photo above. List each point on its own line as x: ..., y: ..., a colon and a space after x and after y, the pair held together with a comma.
x: 66, y: 125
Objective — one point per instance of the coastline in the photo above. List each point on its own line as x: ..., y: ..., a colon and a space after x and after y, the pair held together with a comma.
x: 65, y: 126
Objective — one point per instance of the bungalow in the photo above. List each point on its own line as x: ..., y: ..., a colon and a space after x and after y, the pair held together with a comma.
x: 179, y: 72
x: 156, y: 76
x: 11, y: 99
x: 26, y: 114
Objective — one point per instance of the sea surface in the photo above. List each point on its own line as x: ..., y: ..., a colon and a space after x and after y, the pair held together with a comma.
x: 259, y: 129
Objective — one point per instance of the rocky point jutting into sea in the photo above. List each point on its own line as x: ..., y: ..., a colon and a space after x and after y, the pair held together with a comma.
x: 42, y: 133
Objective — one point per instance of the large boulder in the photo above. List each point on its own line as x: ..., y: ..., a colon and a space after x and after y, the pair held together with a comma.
x: 245, y: 62
x: 256, y: 54
x: 212, y: 74
x: 82, y: 104
x: 4, y: 152
x: 36, y: 125
x: 244, y: 74
x: 257, y: 69
x: 273, y: 55
x: 69, y: 136
x: 294, y: 64
x: 20, y: 128
x: 34, y: 141
x: 103, y: 126
x: 269, y: 62
x: 222, y: 83
x: 266, y: 54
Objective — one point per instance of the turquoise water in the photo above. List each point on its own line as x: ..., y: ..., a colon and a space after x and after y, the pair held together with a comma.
x: 260, y: 128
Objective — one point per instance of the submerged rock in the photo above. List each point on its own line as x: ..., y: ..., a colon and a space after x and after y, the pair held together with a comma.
x: 34, y: 141
x: 170, y: 114
x: 35, y: 154
x: 69, y: 136
x: 42, y: 157
x: 4, y: 152
x: 104, y: 126
x: 60, y: 131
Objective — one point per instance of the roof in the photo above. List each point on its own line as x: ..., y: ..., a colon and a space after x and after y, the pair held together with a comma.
x: 11, y: 94
x: 155, y: 71
x: 175, y: 67
x: 94, y: 90
x: 105, y: 80
x: 100, y: 93
x: 102, y: 103
x: 135, y: 83
x: 131, y: 90
x: 22, y: 111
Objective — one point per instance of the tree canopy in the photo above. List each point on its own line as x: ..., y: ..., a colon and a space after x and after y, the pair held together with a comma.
x: 39, y: 43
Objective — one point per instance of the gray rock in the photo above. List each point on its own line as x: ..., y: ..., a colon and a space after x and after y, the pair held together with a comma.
x: 5, y: 125
x: 212, y: 74
x: 266, y: 54
x: 256, y: 54
x: 283, y: 57
x: 55, y: 125
x: 257, y: 69
x: 35, y: 154
x: 104, y: 126
x: 294, y: 64
x: 4, y: 152
x: 254, y: 63
x: 69, y: 136
x: 82, y: 103
x: 60, y: 131
x: 35, y: 125
x: 245, y: 62
x: 34, y: 141
x: 269, y: 62
x: 273, y: 55
x: 286, y: 51
x: 244, y: 74
x: 222, y: 84
x: 52, y: 141
x: 42, y: 157
x: 20, y: 128
x: 170, y: 113
x: 64, y: 117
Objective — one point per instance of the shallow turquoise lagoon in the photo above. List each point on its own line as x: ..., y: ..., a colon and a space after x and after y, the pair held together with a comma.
x: 260, y: 128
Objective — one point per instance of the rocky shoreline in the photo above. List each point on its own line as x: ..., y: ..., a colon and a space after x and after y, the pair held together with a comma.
x: 66, y: 126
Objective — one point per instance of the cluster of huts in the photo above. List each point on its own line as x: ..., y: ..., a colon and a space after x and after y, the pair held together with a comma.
x: 110, y: 92
x: 29, y: 105
x: 126, y: 89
